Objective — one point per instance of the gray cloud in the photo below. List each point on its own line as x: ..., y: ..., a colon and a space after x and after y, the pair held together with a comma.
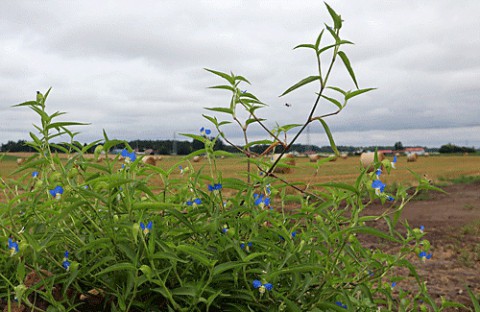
x: 137, y: 70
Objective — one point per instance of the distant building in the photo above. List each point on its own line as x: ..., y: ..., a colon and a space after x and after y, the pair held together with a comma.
x: 386, y: 152
x: 414, y: 150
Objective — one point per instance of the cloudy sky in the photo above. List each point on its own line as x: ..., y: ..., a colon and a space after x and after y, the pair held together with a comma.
x: 135, y: 68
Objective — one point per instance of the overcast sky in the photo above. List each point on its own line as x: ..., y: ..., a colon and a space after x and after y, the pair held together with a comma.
x: 135, y: 68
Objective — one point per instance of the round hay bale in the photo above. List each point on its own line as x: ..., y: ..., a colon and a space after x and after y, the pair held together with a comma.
x: 150, y: 160
x: 158, y: 158
x: 426, y: 154
x: 332, y: 157
x: 412, y: 157
x: 397, y: 154
x: 196, y: 158
x: 20, y: 161
x: 285, y: 163
x: 313, y: 157
x: 343, y: 156
x: 366, y: 159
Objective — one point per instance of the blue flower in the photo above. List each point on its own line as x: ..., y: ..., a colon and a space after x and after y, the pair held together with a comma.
x: 256, y: 284
x: 12, y: 246
x: 424, y: 256
x: 34, y: 174
x: 422, y: 228
x: 246, y: 246
x: 146, y: 228
x: 294, y: 233
x: 205, y: 131
x: 378, y: 173
x: 268, y: 286
x: 390, y: 198
x: 57, y: 192
x: 394, y: 161
x: 195, y: 202
x: 66, y: 263
x: 262, y: 287
x: 261, y: 200
x: 340, y: 304
x: 215, y: 187
x: 225, y: 229
x: 129, y: 157
x: 393, y: 285
x: 268, y: 190
x: 379, y: 186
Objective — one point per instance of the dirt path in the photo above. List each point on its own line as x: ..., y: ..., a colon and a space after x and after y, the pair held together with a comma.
x: 452, y: 224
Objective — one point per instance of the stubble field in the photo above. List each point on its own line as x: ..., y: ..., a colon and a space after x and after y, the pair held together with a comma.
x: 451, y: 219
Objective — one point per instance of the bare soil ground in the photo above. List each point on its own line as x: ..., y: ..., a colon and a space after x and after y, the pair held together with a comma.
x: 452, y: 225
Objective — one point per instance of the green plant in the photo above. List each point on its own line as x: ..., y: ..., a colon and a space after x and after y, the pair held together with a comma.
x: 89, y: 235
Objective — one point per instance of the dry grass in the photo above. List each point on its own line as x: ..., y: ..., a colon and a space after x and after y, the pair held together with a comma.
x: 345, y: 170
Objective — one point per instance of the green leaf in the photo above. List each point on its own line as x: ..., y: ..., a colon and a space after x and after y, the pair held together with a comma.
x: 335, y: 102
x: 337, y: 20
x: 220, y: 109
x: 305, y: 45
x: 223, y: 75
x: 260, y: 142
x: 198, y: 254
x: 185, y: 291
x: 366, y: 230
x: 304, y: 268
x: 301, y: 83
x: 352, y: 94
x: 288, y: 127
x: 339, y: 185
x: 252, y: 120
x: 226, y: 266
x: 241, y: 78
x: 476, y: 304
x: 124, y: 266
x: 225, y: 87
x: 28, y: 103
x: 338, y: 90
x: 319, y: 39
x: 340, y: 42
x: 330, y: 137
x: 346, y: 62
x: 333, y: 33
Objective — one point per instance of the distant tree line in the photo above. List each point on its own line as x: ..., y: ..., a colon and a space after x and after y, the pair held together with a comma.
x: 451, y: 148
x: 168, y: 147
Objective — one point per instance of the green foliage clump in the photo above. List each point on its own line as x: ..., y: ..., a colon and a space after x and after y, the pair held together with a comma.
x: 91, y: 235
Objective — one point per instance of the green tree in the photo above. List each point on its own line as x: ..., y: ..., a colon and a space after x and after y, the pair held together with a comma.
x: 398, y: 146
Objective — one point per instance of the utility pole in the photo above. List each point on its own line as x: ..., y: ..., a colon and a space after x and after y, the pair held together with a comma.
x: 308, y: 148
x: 174, y: 144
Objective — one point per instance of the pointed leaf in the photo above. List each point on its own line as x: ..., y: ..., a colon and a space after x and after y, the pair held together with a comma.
x: 301, y: 83
x: 220, y: 109
x: 227, y: 266
x: 225, y: 87
x: 352, y: 94
x: 305, y: 45
x: 319, y: 39
x: 330, y: 137
x: 337, y: 103
x: 340, y: 42
x: 223, y: 75
x: 338, y: 90
x: 337, y: 20
x: 346, y: 61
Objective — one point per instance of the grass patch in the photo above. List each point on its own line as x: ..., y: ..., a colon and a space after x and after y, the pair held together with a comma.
x: 471, y: 229
x: 463, y: 179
